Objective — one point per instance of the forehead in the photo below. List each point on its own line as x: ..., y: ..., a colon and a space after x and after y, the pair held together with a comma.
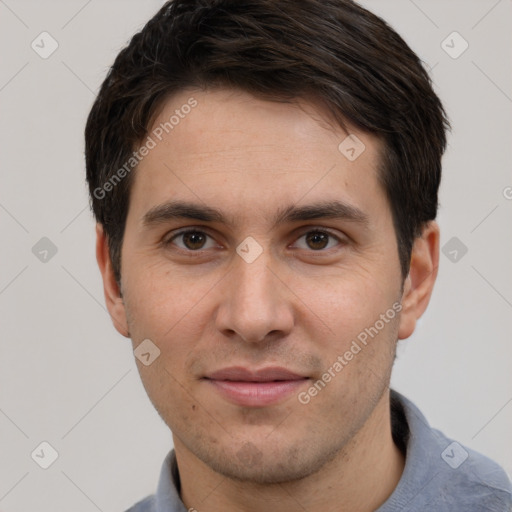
x: 232, y: 149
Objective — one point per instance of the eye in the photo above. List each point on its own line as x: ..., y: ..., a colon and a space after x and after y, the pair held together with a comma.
x: 192, y: 240
x: 318, y: 240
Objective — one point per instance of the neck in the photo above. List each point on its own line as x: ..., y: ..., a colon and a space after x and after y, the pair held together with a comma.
x: 360, y: 477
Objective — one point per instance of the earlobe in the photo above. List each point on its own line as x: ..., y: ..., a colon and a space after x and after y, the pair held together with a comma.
x: 419, y: 284
x: 113, y: 299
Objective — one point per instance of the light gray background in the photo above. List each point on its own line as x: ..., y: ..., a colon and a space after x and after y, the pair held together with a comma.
x: 68, y: 378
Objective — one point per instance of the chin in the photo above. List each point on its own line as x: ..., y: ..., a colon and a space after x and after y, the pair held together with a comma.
x: 267, y: 464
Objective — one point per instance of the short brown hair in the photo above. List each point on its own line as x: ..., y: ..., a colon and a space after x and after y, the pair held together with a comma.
x: 335, y: 51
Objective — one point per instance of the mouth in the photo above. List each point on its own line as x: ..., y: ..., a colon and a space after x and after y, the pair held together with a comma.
x: 255, y: 388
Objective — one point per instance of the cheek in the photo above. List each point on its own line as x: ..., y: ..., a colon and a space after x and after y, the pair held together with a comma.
x: 164, y: 303
x: 174, y: 398
x: 341, y: 305
x: 360, y: 326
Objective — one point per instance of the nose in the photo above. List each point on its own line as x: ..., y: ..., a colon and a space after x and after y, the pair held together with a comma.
x: 255, y: 304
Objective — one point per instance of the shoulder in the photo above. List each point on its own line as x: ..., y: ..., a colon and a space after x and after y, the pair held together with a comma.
x: 145, y: 505
x: 473, y: 480
x: 441, y: 474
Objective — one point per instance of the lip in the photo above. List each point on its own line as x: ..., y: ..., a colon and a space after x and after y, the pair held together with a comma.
x: 255, y: 388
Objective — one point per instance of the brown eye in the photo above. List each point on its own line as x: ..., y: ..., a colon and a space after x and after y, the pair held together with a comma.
x: 194, y: 240
x: 191, y: 240
x: 317, y: 240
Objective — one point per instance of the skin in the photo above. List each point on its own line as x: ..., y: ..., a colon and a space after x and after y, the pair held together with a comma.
x: 298, y: 305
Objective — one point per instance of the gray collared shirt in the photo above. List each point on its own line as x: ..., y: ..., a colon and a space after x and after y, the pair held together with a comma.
x: 440, y: 475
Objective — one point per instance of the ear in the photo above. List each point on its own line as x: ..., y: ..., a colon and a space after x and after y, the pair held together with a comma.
x: 420, y: 281
x: 113, y: 299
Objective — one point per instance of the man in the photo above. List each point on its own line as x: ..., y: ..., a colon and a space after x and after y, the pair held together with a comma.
x: 264, y: 175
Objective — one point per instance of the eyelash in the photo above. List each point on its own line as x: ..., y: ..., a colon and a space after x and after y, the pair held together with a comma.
x: 324, y: 231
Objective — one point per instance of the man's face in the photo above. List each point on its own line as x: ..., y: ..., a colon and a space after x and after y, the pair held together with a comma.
x: 293, y: 297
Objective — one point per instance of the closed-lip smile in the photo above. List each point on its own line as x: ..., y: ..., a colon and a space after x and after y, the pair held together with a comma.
x: 255, y: 388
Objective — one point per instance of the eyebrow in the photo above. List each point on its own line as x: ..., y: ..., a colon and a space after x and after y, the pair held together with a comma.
x: 172, y: 210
